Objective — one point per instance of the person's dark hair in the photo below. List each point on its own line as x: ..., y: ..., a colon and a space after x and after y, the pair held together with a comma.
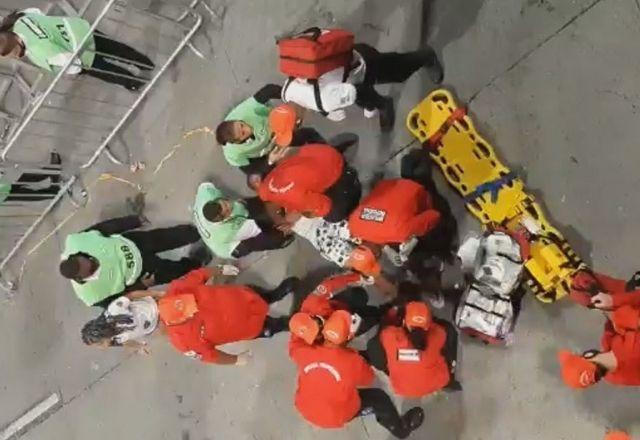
x: 70, y: 267
x: 224, y: 132
x: 105, y: 327
x: 8, y: 21
x: 212, y: 211
x: 418, y: 338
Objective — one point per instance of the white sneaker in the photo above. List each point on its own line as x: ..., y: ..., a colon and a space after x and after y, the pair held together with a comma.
x: 436, y: 299
x: 370, y: 113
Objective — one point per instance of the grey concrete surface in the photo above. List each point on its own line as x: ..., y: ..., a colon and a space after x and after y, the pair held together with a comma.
x: 553, y: 87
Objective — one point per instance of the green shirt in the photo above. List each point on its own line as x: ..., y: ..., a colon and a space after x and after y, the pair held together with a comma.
x: 220, y: 237
x: 256, y: 115
x: 5, y: 190
x: 47, y: 39
x: 119, y: 260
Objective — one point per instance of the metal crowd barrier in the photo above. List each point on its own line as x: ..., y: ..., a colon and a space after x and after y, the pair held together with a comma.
x: 80, y: 116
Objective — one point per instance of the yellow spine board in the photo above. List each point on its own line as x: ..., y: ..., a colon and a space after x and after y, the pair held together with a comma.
x: 468, y: 161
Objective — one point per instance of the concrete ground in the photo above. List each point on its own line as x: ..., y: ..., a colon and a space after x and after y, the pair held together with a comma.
x: 551, y: 83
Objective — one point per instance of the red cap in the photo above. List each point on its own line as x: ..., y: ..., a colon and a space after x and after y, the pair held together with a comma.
x: 364, y: 261
x: 177, y: 309
x: 340, y: 327
x: 577, y: 372
x: 305, y: 327
x: 417, y: 315
x: 283, y: 120
x: 617, y: 435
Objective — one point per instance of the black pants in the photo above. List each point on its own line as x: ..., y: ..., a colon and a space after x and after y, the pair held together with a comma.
x: 386, y: 68
x: 159, y: 240
x: 301, y: 136
x: 376, y: 401
x: 344, y: 194
x: 107, y: 51
x: 441, y: 240
x: 356, y: 299
x: 269, y: 239
x: 450, y: 348
x: 274, y: 325
x: 20, y: 191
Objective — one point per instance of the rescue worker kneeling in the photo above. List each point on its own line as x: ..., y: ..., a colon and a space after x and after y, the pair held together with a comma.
x: 418, y: 354
x: 619, y: 360
x: 330, y: 376
x: 199, y: 317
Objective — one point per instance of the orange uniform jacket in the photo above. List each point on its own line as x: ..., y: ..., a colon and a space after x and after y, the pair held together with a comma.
x: 617, y: 289
x: 394, y: 211
x: 426, y: 373
x: 328, y: 381
x: 297, y: 183
x: 319, y: 302
x: 625, y: 344
x: 226, y: 313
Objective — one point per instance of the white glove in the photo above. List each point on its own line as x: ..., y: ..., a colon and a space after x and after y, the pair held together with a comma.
x: 408, y: 246
x: 393, y: 256
x: 229, y: 270
x: 243, y: 359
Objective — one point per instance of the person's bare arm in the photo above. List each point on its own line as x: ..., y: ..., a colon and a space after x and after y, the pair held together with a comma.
x: 137, y: 346
x: 138, y: 294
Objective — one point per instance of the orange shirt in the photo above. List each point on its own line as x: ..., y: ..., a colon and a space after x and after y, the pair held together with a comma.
x: 394, y: 211
x: 625, y: 345
x: 415, y: 373
x: 298, y: 182
x: 328, y: 380
x: 226, y: 313
x: 618, y: 291
x: 319, y: 302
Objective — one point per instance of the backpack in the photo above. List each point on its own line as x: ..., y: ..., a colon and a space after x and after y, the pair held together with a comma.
x: 315, y: 52
x: 495, y: 263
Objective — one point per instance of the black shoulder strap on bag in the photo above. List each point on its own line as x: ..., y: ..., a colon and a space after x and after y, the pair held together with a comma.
x: 318, y: 97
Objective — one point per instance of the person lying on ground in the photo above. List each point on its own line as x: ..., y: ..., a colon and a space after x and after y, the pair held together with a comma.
x: 20, y: 184
x: 247, y: 138
x: 334, y: 91
x: 109, y: 259
x: 49, y: 42
x: 234, y: 228
x: 618, y: 360
x: 417, y: 351
x: 195, y: 316
x: 333, y: 381
x: 315, y: 181
x: 335, y: 244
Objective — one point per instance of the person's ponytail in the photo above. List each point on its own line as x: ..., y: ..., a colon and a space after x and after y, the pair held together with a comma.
x: 418, y: 338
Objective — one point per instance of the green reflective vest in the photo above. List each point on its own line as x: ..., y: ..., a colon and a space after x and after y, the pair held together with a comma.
x: 256, y: 115
x: 220, y: 237
x: 46, y: 37
x: 119, y: 259
x: 5, y: 190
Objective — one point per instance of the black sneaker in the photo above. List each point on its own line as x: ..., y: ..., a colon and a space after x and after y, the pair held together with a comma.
x: 55, y: 159
x: 343, y: 141
x: 412, y: 420
x: 387, y: 115
x: 453, y: 386
x: 286, y: 287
